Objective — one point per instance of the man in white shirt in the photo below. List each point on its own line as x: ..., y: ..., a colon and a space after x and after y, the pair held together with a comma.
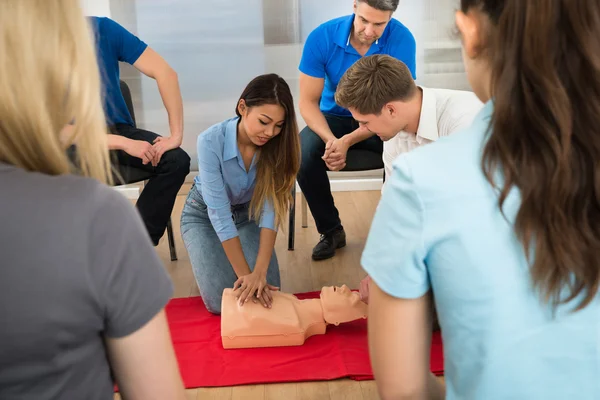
x: 382, y: 96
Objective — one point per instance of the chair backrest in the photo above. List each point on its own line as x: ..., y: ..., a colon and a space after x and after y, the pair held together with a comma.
x: 127, y: 96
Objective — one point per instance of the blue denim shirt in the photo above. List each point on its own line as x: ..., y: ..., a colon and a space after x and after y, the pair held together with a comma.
x: 223, y: 180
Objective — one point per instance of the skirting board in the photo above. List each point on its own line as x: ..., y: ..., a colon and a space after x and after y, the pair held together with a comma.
x: 342, y: 181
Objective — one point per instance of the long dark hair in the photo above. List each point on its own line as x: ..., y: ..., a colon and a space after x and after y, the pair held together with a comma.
x: 545, y: 135
x: 279, y: 159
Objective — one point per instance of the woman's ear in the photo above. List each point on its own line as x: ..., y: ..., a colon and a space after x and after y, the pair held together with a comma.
x: 470, y: 32
x: 242, y: 108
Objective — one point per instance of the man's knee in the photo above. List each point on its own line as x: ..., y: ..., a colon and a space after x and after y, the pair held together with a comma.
x: 176, y: 161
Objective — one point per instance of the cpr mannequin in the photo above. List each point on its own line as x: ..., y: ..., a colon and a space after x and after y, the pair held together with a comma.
x: 290, y: 321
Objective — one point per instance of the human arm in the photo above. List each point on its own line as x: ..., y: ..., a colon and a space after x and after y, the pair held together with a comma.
x: 130, y: 49
x: 131, y: 288
x: 399, y: 346
x: 144, y: 363
x: 214, y: 194
x: 311, y: 89
x: 151, y: 64
x: 257, y: 283
x: 394, y: 257
x: 136, y: 148
x: 312, y: 81
x: 336, y: 150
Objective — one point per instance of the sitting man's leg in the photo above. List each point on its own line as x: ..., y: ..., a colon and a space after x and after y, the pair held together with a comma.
x: 315, y: 186
x: 156, y: 201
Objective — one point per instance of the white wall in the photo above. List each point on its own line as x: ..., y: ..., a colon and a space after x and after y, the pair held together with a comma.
x: 99, y: 8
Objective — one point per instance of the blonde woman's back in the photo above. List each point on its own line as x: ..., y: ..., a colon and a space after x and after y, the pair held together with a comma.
x: 76, y: 266
x: 82, y: 291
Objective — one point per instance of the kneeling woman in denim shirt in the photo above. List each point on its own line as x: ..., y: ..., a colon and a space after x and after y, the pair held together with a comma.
x: 247, y: 169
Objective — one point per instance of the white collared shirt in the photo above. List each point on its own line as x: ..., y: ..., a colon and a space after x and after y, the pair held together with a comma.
x: 443, y: 112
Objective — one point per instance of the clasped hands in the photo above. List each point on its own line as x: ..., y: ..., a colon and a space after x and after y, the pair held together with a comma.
x: 254, y: 287
x: 335, y: 153
x: 152, y: 152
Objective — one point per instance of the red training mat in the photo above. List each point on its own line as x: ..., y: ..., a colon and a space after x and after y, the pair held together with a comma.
x: 342, y: 352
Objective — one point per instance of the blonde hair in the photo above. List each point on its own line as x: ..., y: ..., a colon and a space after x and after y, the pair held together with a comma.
x: 50, y: 90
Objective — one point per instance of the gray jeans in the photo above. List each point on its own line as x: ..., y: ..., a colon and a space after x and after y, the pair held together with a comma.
x: 212, y: 269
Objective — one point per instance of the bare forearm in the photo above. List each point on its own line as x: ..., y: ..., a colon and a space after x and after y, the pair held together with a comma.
x: 116, y: 142
x: 235, y: 255
x: 265, y: 249
x: 436, y: 388
x: 357, y: 136
x: 315, y: 119
x: 168, y: 86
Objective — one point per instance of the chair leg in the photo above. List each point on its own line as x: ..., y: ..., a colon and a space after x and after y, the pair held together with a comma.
x: 171, y: 239
x: 292, y: 221
x: 304, y: 212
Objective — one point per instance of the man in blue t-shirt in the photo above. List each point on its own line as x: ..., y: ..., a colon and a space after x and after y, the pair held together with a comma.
x: 138, y: 148
x: 328, y: 52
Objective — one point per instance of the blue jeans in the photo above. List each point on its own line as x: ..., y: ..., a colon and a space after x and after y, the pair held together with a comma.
x: 210, y: 264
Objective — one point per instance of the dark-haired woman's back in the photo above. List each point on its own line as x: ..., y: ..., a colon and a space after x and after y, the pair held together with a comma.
x: 440, y: 229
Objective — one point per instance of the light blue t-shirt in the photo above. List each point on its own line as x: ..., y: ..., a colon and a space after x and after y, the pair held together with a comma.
x: 328, y: 53
x: 223, y: 180
x: 439, y: 227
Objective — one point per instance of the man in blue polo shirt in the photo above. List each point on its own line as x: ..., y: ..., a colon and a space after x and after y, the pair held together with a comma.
x: 328, y: 52
x: 138, y: 148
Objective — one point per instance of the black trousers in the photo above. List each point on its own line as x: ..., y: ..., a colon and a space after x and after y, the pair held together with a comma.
x: 312, y: 176
x: 156, y: 201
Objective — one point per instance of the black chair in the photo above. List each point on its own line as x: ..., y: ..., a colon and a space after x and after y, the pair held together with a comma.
x: 129, y: 175
x: 356, y: 160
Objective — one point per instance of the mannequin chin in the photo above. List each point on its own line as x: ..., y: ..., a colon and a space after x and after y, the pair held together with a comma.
x: 290, y: 321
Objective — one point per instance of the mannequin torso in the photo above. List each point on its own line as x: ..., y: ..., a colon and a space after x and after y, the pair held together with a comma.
x: 289, y: 322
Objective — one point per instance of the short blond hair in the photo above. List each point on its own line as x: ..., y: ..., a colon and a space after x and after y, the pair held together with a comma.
x: 50, y: 80
x: 372, y: 82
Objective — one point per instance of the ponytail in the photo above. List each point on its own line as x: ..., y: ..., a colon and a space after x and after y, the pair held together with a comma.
x: 545, y: 136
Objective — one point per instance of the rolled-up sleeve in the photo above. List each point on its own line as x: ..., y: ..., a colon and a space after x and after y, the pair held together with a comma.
x: 267, y: 219
x: 214, y: 193
x: 395, y: 252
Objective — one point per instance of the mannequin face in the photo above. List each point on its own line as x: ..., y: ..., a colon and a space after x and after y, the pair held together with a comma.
x: 340, y: 305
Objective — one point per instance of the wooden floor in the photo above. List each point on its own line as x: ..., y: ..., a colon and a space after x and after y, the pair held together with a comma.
x: 298, y: 274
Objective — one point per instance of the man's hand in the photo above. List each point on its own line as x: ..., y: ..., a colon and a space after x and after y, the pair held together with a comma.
x: 141, y: 149
x: 162, y: 145
x: 364, y: 289
x: 335, y: 154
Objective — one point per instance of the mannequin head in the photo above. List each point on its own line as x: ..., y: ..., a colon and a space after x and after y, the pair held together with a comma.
x: 340, y: 305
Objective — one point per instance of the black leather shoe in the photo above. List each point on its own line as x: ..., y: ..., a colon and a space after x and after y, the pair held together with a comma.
x: 328, y: 244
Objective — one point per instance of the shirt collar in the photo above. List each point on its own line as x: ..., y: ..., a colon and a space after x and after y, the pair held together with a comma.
x: 230, y: 148
x: 344, y: 32
x: 428, y: 128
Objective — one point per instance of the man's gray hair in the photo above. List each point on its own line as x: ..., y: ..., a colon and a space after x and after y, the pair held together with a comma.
x: 382, y: 5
